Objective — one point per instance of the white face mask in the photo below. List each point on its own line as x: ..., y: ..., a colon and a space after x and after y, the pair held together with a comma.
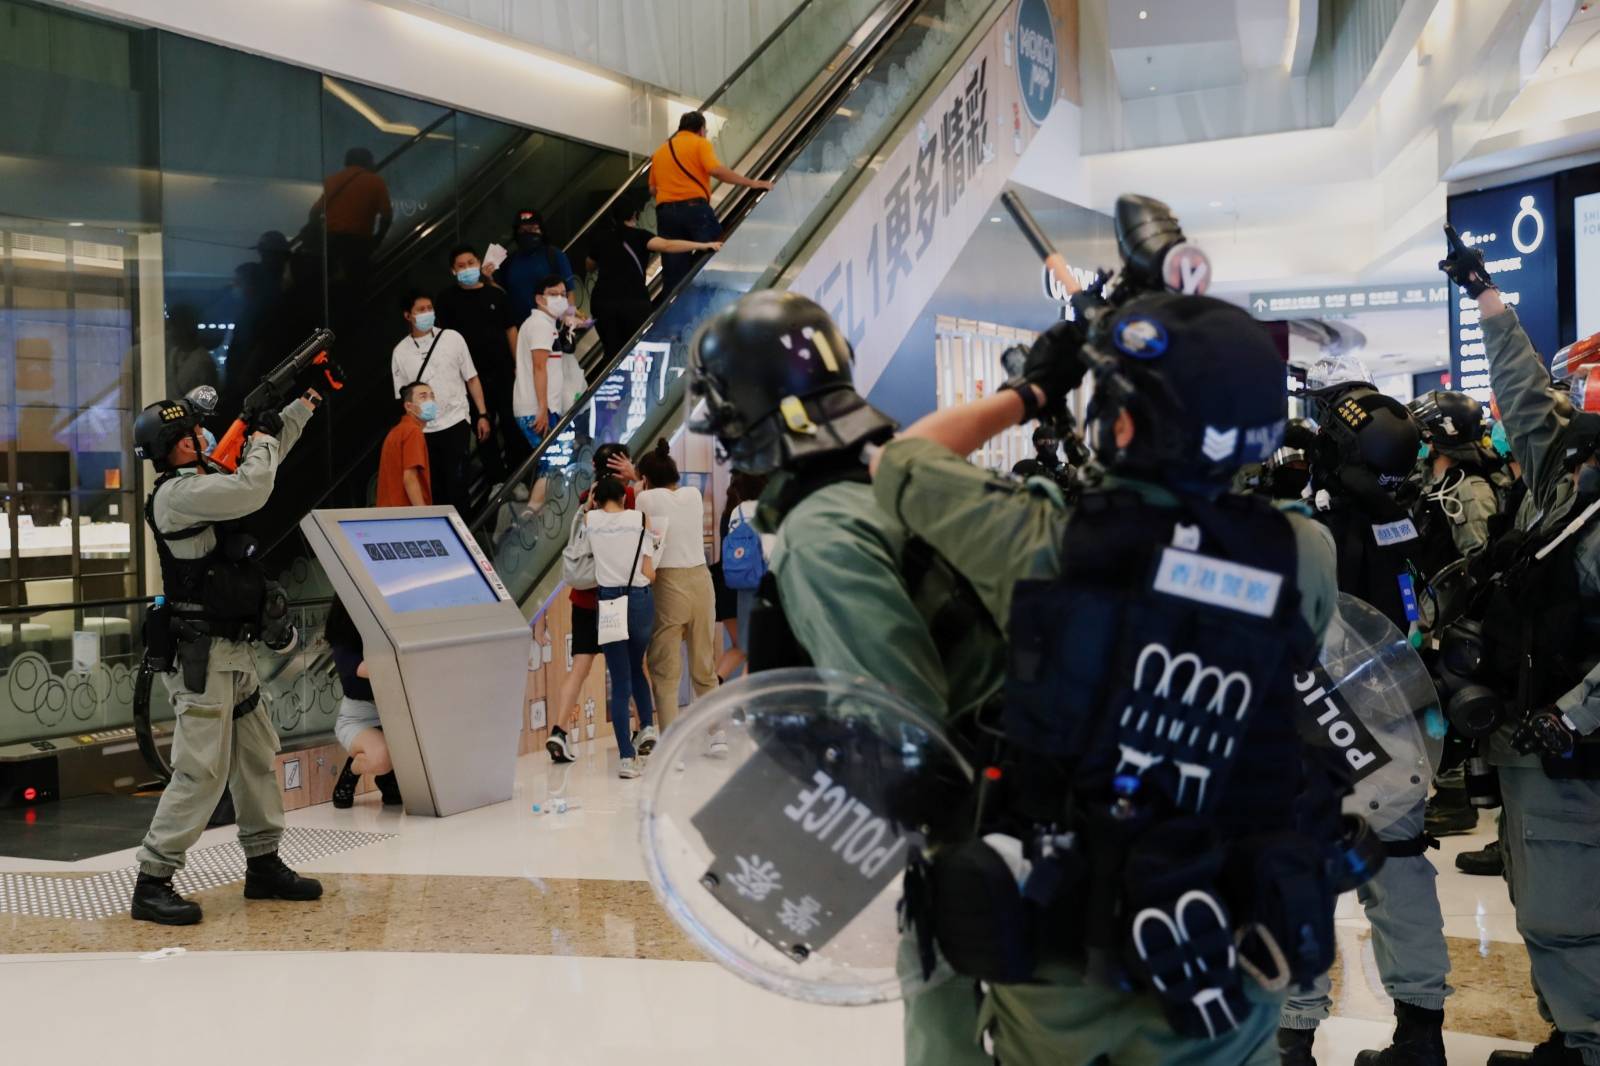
x: 556, y: 305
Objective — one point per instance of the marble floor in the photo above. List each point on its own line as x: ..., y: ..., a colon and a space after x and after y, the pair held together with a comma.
x: 513, y: 934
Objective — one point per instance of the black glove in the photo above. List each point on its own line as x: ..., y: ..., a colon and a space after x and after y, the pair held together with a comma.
x: 1545, y: 733
x: 269, y: 422
x: 1055, y: 363
x: 1465, y: 266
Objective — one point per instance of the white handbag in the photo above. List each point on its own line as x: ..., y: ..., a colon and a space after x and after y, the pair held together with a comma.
x: 613, y: 617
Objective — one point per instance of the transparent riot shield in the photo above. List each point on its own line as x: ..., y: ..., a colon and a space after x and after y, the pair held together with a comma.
x: 1369, y: 699
x: 778, y: 820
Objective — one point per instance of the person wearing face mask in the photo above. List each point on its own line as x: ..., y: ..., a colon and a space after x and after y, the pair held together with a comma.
x: 219, y: 605
x: 440, y: 358
x: 403, y: 469
x: 481, y: 312
x: 1547, y: 751
x: 540, y: 395
x: 533, y: 260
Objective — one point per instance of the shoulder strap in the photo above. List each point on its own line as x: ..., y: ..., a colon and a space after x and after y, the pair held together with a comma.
x: 150, y: 517
x: 685, y: 169
x: 638, y: 549
x: 423, y: 369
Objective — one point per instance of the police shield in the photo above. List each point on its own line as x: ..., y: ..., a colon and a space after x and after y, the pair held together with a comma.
x: 1369, y: 700
x: 778, y: 821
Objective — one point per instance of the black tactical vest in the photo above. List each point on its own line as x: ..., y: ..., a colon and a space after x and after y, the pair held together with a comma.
x: 1375, y: 550
x: 226, y: 588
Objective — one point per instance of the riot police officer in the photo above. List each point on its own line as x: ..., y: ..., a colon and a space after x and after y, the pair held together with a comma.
x: 1119, y: 612
x: 218, y: 603
x: 848, y: 589
x: 1537, y: 625
x: 1366, y: 445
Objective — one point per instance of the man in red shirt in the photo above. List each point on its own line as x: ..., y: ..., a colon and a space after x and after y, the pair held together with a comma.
x: 403, y: 479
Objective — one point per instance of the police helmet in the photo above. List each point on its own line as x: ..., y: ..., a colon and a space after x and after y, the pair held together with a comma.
x: 773, y: 378
x: 1449, y: 419
x: 1205, y: 385
x: 1367, y: 428
x: 160, y: 426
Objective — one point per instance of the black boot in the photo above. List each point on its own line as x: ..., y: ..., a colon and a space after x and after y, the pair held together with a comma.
x: 269, y: 877
x: 344, y: 789
x: 155, y: 900
x: 1418, y: 1039
x: 1448, y: 813
x: 1294, y: 1046
x: 1552, y: 1052
x: 1486, y: 862
x: 390, y: 789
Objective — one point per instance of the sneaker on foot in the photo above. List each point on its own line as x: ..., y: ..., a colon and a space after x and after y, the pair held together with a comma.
x: 630, y: 769
x: 559, y: 747
x: 717, y: 745
x: 644, y: 741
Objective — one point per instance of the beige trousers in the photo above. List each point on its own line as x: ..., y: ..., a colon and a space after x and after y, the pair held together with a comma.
x: 685, y: 612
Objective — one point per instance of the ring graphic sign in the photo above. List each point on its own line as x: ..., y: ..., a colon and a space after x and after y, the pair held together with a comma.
x: 1036, y: 59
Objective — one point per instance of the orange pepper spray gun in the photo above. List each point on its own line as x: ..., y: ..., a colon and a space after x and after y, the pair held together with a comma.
x: 275, y: 390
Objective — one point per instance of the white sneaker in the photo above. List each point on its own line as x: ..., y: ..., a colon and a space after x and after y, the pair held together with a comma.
x: 630, y: 769
x: 645, y: 740
x: 559, y: 747
x: 718, y: 747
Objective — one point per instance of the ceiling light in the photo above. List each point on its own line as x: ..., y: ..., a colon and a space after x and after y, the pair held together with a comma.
x: 1152, y: 88
x: 1144, y: 14
x: 995, y: 218
x: 1216, y: 203
x: 74, y: 224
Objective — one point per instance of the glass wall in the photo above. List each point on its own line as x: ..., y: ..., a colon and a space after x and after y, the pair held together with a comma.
x: 176, y: 214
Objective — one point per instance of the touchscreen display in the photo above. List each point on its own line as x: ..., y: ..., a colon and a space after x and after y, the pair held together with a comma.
x: 418, y: 564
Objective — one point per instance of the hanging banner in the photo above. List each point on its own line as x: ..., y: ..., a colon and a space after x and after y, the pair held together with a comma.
x: 881, y: 264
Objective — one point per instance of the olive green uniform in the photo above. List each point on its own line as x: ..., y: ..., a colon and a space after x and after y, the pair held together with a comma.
x: 997, y: 532
x: 211, y: 749
x: 839, y: 566
x: 1469, y: 525
x: 1550, y: 829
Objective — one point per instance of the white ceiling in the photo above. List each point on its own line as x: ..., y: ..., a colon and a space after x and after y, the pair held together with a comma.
x: 1180, y: 46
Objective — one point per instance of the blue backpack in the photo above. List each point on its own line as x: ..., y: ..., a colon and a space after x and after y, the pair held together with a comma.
x: 743, y: 565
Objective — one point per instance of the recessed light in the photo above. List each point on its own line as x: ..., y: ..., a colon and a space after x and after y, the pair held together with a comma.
x: 995, y: 218
x: 1144, y: 14
x: 75, y: 224
x: 1216, y: 203
x: 1152, y: 88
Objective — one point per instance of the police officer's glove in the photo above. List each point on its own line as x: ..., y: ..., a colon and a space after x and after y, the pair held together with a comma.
x: 269, y: 422
x: 1056, y: 365
x: 1466, y: 268
x: 1546, y: 732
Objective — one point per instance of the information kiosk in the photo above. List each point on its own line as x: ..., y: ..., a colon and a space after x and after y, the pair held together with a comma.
x: 445, y: 644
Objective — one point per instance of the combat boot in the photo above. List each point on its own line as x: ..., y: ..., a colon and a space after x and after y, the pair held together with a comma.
x: 1553, y: 1051
x: 1448, y: 813
x: 1486, y: 862
x: 1418, y: 1039
x: 155, y: 900
x: 269, y: 877
x: 1294, y: 1046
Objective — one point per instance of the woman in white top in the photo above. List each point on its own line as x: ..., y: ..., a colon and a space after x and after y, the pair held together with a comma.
x: 685, y: 597
x: 624, y: 565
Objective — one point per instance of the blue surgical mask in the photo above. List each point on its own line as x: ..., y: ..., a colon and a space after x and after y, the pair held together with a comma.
x: 469, y: 276
x: 425, y: 322
x: 428, y: 410
x: 1497, y: 437
x: 211, y: 440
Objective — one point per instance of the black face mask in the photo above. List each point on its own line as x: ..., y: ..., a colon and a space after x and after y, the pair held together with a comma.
x: 529, y: 241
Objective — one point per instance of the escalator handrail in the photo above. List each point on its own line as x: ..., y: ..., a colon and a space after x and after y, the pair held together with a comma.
x: 743, y: 201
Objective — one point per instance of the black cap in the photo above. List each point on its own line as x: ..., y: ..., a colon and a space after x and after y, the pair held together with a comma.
x: 527, y: 215
x: 1205, y: 384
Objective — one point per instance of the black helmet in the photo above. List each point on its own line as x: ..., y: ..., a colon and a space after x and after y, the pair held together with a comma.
x: 160, y: 426
x: 1450, y: 420
x: 1367, y: 428
x: 1205, y: 385
x: 772, y: 373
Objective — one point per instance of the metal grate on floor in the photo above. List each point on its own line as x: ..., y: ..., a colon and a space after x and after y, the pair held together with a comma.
x: 93, y: 897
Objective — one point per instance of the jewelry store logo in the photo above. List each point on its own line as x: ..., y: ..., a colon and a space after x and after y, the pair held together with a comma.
x: 1527, y: 229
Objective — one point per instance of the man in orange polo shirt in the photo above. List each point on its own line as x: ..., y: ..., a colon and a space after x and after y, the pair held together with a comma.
x: 403, y: 471
x: 681, y: 172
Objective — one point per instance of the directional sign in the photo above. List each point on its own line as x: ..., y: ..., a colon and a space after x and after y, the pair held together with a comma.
x: 1361, y: 299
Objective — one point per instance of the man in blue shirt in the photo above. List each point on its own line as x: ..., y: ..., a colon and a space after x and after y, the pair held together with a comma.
x: 532, y: 260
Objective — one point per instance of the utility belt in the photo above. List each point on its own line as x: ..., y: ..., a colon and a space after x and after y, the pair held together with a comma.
x: 1142, y: 899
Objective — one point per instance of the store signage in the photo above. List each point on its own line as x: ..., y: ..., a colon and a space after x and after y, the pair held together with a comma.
x: 1586, y: 261
x: 1361, y: 299
x: 1036, y: 59
x: 883, y: 260
x: 1513, y: 226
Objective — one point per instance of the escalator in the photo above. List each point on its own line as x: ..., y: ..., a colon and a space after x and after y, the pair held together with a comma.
x: 818, y: 158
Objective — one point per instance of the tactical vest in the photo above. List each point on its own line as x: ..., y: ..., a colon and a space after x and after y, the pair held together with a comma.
x: 1375, y: 551
x: 225, y: 589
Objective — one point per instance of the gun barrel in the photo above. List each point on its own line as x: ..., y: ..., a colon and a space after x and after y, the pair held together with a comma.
x: 285, y: 372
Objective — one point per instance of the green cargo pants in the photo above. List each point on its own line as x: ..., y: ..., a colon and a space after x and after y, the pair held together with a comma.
x: 211, y: 750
